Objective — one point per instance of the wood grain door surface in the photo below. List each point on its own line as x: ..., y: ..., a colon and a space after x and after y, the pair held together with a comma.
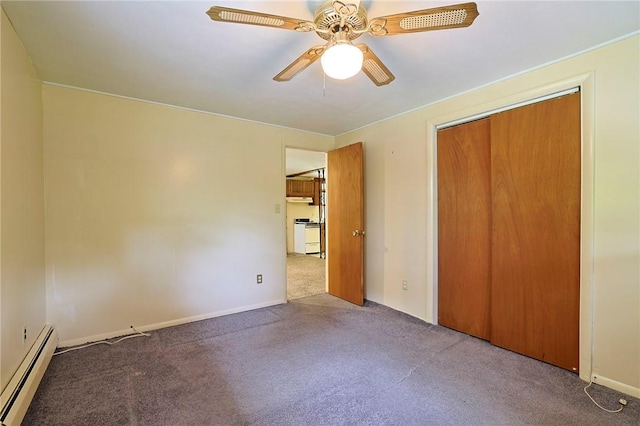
x: 509, y: 229
x: 345, y: 214
x: 464, y: 228
x: 535, y: 270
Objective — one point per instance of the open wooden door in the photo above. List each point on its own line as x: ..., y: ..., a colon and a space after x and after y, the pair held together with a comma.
x: 345, y: 223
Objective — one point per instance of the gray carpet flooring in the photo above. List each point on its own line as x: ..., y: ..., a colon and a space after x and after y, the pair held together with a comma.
x: 315, y: 361
x: 305, y: 276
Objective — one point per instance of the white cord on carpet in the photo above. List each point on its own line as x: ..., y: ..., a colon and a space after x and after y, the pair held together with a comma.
x: 600, y: 406
x: 104, y: 342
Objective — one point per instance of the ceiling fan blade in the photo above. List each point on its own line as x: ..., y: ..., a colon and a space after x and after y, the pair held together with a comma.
x: 306, y: 59
x: 373, y: 67
x: 226, y: 14
x: 437, y: 18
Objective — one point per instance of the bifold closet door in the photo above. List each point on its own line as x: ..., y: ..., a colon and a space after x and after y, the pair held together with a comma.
x: 535, y: 268
x: 464, y: 228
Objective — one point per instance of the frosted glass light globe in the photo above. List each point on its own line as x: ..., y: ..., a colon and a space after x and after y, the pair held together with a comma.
x: 341, y: 61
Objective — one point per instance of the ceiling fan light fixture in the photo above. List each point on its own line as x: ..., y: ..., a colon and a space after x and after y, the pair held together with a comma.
x: 342, y: 61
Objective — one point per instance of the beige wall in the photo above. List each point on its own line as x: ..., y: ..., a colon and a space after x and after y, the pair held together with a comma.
x: 399, y: 177
x: 21, y: 210
x: 157, y: 215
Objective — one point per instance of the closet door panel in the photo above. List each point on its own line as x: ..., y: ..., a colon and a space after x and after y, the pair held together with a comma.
x: 535, y: 266
x: 464, y: 221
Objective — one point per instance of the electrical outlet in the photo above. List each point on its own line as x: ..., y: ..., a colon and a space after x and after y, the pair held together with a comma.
x: 24, y: 334
x: 259, y: 278
x: 405, y: 285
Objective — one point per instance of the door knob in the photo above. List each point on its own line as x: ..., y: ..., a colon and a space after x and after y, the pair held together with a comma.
x: 358, y: 232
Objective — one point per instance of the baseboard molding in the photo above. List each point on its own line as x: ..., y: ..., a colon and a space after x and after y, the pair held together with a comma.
x: 19, y: 392
x: 158, y: 325
x: 615, y: 385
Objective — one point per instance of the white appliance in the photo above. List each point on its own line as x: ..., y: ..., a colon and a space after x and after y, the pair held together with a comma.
x: 306, y: 236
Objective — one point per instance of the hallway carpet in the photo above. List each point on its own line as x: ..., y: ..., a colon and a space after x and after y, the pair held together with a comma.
x: 305, y: 276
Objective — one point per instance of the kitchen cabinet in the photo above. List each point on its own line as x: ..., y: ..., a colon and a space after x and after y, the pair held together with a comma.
x: 317, y: 191
x: 300, y: 188
x: 309, y: 188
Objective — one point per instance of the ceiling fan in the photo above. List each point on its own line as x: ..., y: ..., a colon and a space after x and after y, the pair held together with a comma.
x: 339, y: 22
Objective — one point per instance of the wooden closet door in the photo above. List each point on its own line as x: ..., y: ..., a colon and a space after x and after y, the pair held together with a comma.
x: 535, y: 268
x: 464, y: 228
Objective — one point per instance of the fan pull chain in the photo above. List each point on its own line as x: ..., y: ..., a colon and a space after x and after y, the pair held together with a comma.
x: 324, y: 85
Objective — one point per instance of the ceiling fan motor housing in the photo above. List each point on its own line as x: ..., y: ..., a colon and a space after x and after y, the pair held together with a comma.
x: 328, y: 20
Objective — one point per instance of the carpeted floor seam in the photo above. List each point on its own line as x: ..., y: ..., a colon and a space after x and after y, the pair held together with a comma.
x: 223, y: 334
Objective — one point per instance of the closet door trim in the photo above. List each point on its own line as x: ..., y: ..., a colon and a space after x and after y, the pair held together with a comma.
x: 506, y: 100
x: 507, y: 108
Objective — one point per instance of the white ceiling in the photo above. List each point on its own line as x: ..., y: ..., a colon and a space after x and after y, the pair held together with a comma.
x: 299, y: 160
x: 171, y: 52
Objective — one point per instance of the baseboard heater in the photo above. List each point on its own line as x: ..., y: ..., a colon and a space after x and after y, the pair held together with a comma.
x: 19, y: 392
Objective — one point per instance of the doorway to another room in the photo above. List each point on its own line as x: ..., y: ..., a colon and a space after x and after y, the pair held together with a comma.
x: 305, y: 218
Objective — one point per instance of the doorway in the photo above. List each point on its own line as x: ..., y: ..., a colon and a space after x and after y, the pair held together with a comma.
x: 305, y: 223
